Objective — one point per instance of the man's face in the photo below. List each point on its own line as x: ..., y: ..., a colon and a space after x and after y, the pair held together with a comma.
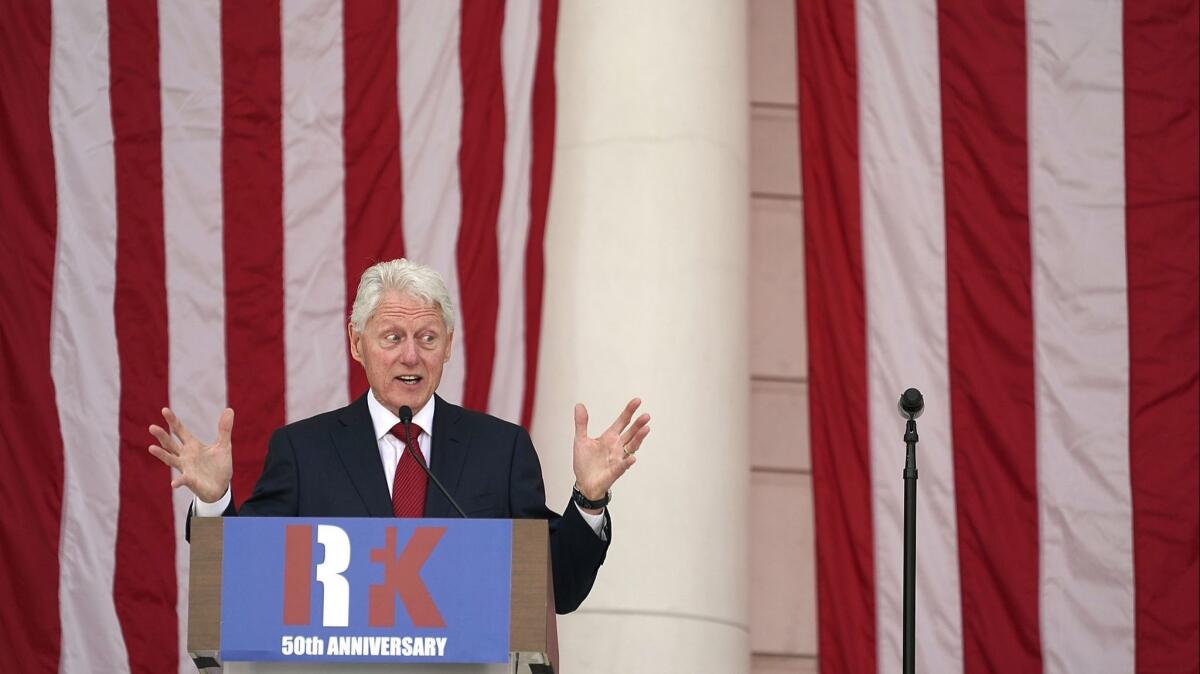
x: 402, y: 349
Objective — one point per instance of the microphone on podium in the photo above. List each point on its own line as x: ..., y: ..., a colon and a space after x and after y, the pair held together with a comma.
x: 406, y: 415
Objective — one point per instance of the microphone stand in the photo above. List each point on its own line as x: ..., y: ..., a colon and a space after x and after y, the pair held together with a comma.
x: 910, y: 543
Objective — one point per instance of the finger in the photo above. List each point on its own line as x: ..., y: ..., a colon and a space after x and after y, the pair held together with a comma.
x: 633, y: 430
x: 581, y: 421
x: 225, y: 427
x: 623, y: 465
x: 164, y: 439
x: 176, y: 425
x: 626, y: 414
x: 636, y: 444
x: 164, y: 456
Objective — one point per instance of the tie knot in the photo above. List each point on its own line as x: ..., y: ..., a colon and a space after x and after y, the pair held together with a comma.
x: 413, y: 429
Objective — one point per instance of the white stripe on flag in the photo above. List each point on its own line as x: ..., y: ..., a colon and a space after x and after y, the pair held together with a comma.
x: 190, y: 72
x: 1078, y: 238
x: 430, y: 91
x: 519, y: 44
x: 904, y: 253
x: 83, y: 347
x: 313, y: 207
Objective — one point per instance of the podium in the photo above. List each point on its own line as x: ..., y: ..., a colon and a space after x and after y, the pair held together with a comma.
x: 283, y: 595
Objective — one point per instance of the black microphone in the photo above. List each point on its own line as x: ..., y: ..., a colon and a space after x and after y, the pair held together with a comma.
x: 406, y: 419
x: 911, y: 404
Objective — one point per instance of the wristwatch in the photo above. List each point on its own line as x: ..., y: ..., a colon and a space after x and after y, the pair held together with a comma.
x: 583, y: 502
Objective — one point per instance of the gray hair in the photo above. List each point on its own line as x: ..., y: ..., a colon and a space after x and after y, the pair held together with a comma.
x: 402, y: 276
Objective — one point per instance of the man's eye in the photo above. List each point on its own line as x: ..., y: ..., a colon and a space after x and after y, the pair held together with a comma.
x: 428, y: 339
x: 393, y: 338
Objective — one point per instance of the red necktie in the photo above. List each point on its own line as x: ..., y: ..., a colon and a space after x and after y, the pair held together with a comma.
x: 409, y: 483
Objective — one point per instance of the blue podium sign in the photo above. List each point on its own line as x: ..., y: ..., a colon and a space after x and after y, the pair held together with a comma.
x: 366, y: 590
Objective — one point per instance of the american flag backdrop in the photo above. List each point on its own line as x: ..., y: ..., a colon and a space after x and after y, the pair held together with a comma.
x: 1001, y: 209
x: 189, y: 190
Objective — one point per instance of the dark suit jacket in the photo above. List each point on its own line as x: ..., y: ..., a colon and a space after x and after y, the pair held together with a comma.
x: 329, y: 466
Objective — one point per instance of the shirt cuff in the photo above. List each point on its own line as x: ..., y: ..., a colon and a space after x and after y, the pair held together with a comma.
x: 202, y: 509
x: 596, y: 522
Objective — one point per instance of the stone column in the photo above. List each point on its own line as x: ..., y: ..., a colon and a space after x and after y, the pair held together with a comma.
x: 646, y: 294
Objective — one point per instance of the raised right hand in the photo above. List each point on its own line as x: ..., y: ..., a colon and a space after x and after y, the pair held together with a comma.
x: 203, y: 468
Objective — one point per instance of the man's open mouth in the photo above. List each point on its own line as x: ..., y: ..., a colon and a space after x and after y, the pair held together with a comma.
x: 409, y: 378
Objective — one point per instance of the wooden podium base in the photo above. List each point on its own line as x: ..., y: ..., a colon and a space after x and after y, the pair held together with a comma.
x: 521, y: 667
x: 316, y: 667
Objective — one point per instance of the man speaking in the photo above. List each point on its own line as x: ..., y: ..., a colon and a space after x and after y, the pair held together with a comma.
x: 354, y: 461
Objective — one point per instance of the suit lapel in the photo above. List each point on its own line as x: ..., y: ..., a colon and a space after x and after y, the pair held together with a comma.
x: 449, y: 453
x: 358, y: 450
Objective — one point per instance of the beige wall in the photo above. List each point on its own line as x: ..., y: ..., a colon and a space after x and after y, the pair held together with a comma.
x: 675, y: 271
x: 783, y: 635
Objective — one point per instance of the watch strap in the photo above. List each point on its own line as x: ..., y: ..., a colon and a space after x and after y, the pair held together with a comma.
x: 584, y: 502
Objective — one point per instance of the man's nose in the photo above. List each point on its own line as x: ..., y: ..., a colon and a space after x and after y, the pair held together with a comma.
x: 408, y: 352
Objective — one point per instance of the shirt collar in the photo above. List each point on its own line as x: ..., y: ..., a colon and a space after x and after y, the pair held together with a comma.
x: 383, y: 420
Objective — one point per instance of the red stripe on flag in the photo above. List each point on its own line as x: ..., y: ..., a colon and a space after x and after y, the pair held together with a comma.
x: 252, y: 177
x: 1162, y: 133
x: 481, y: 174
x: 30, y: 440
x: 837, y: 341
x: 144, y: 580
x: 371, y: 129
x: 541, y: 168
x: 990, y: 329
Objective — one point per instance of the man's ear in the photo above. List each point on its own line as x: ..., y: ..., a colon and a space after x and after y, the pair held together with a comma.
x: 353, y: 336
x: 449, y: 346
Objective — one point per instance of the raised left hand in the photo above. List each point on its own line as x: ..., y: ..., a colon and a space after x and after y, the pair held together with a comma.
x: 600, y: 461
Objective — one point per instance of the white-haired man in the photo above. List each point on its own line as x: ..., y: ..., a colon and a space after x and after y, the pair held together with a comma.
x: 350, y: 462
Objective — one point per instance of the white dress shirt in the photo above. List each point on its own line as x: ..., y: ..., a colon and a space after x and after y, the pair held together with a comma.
x: 390, y: 450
